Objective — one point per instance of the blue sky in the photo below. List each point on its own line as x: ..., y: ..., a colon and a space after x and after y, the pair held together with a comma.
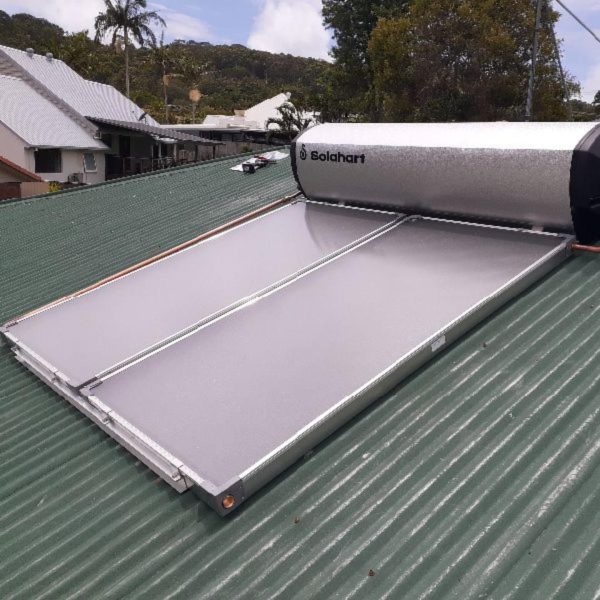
x: 581, y: 51
x: 229, y: 20
x: 295, y: 26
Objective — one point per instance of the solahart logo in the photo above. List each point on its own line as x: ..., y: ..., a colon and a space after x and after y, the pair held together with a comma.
x: 303, y: 152
x: 336, y: 157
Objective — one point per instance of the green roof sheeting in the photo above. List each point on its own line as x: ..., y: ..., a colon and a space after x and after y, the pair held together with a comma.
x: 479, y: 477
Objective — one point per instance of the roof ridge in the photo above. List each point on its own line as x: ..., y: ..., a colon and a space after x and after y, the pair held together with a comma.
x: 46, y: 93
x: 35, y: 54
x: 73, y: 93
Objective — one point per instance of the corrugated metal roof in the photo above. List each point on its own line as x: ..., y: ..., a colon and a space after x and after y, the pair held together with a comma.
x: 162, y: 131
x: 88, y: 98
x: 479, y: 477
x: 38, y: 121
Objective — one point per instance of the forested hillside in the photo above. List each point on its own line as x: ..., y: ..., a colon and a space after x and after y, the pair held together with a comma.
x: 394, y: 60
x: 229, y: 77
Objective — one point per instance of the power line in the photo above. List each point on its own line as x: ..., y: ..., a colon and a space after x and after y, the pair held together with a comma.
x: 588, y: 29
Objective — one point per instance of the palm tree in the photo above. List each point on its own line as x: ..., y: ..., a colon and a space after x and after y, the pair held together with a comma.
x: 131, y: 18
x: 290, y: 122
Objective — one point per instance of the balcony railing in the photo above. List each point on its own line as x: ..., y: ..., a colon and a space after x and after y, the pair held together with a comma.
x: 121, y: 166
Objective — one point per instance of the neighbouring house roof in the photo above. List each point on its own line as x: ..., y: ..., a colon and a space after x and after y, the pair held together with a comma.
x: 19, y: 172
x: 479, y: 477
x: 88, y: 98
x: 254, y: 118
x: 228, y: 122
x: 162, y: 132
x: 39, y: 122
x: 266, y: 109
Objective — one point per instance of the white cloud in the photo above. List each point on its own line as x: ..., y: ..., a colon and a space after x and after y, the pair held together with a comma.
x: 71, y: 15
x: 184, y: 27
x: 292, y: 27
x: 591, y: 84
x: 77, y: 15
x: 181, y: 26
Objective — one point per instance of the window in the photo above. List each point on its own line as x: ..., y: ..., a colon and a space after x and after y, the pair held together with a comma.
x: 48, y: 160
x: 89, y: 162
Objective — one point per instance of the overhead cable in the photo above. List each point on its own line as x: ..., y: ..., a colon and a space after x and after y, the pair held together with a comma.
x: 588, y: 29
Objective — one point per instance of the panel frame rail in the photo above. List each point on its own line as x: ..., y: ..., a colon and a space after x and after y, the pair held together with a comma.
x: 363, y: 257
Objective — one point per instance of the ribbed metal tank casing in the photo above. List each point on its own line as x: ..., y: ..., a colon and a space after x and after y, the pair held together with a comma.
x: 531, y: 174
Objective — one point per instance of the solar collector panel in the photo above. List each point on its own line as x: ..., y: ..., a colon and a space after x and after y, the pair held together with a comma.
x: 89, y: 334
x: 222, y: 364
x: 233, y: 400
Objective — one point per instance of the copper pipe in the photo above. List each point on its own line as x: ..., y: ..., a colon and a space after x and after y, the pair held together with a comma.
x: 583, y: 248
x: 148, y: 261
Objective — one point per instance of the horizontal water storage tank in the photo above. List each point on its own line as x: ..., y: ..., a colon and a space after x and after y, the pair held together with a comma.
x: 533, y: 174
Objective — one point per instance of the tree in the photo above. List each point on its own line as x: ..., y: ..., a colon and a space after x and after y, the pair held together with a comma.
x: 132, y: 19
x: 352, y: 22
x: 173, y: 64
x: 583, y: 111
x: 596, y: 102
x: 90, y: 59
x: 291, y: 121
x: 464, y: 60
x: 25, y: 31
x: 230, y: 77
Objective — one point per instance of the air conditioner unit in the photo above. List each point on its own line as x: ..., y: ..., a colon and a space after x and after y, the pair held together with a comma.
x: 75, y: 178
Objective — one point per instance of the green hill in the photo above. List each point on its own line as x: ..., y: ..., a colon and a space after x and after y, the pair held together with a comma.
x: 229, y: 77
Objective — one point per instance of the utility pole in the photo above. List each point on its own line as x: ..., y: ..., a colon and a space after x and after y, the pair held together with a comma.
x: 534, y: 53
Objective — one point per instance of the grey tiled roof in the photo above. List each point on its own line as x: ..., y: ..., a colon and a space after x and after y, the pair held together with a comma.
x: 38, y: 121
x: 88, y: 98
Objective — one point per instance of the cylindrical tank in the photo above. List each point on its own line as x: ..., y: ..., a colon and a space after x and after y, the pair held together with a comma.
x: 531, y: 174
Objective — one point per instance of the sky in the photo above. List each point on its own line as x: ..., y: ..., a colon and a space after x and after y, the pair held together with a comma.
x: 295, y: 26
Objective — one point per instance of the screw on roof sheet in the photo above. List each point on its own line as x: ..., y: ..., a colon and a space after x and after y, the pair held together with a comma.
x: 371, y: 573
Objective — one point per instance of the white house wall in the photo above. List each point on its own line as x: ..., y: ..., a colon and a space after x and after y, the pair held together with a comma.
x: 12, y: 147
x: 72, y: 162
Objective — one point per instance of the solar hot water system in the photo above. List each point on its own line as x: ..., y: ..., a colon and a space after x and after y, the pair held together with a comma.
x: 221, y: 362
